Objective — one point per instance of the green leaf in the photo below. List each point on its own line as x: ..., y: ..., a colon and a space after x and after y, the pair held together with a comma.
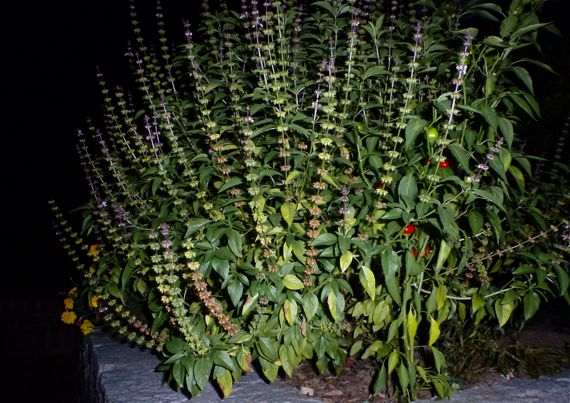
x: 488, y: 113
x: 141, y: 286
x: 390, y: 266
x: 194, y: 224
x: 422, y: 372
x: 524, y: 76
x: 344, y: 243
x: 330, y: 180
x: 439, y: 359
x: 476, y: 221
x: 290, y: 306
x: 235, y: 242
x: 176, y: 345
x: 403, y: 376
x: 529, y: 28
x: 460, y: 154
x: 286, y: 363
x: 563, y: 280
x: 412, y: 266
x: 327, y: 6
x: 299, y: 250
x: 393, y: 360
x: 375, y: 71
x: 202, y: 370
x: 126, y: 275
x: 242, y: 358
x: 222, y: 358
x: 346, y: 260
x: 496, y: 41
x: 178, y: 373
x: 486, y: 6
x: 269, y: 369
x: 522, y: 102
x: 235, y: 290
x: 230, y: 183
x: 375, y: 161
x: 503, y: 312
x: 413, y: 128
x: 519, y: 177
x: 393, y: 214
x: 355, y: 348
x: 434, y: 331
x: 506, y: 128
x: 488, y: 196
x: 156, y: 184
x: 224, y: 253
x: 442, y: 255
x: 310, y: 305
x: 531, y: 303
x: 368, y: 281
x: 477, y: 302
x: 292, y: 282
x: 412, y: 325
x: 381, y: 380
x: 268, y: 348
x: 531, y: 100
x: 340, y: 305
x: 222, y: 267
x: 482, y: 13
x: 331, y: 303
x: 508, y: 25
x: 408, y: 190
x: 537, y: 63
x: 299, y: 129
x: 249, y: 304
x: 292, y: 176
x: 224, y: 380
x: 462, y: 310
x: 441, y: 296
x: 325, y: 239
x: 390, y: 263
x: 447, y: 218
x: 372, y: 349
x: 288, y: 212
x: 495, y: 224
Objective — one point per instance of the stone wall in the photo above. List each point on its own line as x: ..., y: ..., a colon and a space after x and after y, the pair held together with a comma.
x: 115, y: 372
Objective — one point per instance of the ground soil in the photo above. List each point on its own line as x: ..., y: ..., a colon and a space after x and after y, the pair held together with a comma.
x: 352, y: 386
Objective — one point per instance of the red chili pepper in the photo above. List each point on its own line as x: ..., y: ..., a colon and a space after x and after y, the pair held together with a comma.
x: 409, y: 229
x: 427, y: 251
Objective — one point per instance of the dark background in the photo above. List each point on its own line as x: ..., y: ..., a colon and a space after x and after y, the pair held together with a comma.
x: 50, y: 52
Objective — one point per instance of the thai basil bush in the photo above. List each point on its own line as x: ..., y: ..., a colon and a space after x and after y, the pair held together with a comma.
x: 318, y: 182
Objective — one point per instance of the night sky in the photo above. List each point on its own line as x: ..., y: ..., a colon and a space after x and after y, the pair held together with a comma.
x: 49, y: 55
x: 50, y: 52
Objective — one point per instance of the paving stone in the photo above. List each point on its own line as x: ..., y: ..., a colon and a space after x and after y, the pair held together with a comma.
x: 119, y: 373
x: 127, y: 374
x: 546, y: 389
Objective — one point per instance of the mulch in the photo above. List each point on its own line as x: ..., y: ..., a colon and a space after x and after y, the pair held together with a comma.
x: 353, y: 385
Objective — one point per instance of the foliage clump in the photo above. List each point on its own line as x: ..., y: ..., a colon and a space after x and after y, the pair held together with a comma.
x: 313, y: 182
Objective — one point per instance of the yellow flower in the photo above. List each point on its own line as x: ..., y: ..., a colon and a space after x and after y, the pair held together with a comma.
x: 68, y: 317
x: 94, y: 251
x: 73, y: 292
x: 91, y: 270
x: 95, y: 300
x: 68, y: 302
x: 86, y: 327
